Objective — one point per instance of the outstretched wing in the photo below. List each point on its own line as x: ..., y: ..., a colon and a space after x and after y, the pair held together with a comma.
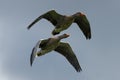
x: 51, y: 16
x: 84, y: 25
x: 34, y: 52
x: 66, y: 51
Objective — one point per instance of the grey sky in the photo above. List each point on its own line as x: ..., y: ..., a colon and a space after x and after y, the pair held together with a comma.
x: 98, y: 57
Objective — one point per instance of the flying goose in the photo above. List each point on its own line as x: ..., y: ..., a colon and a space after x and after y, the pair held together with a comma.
x: 53, y: 43
x: 62, y: 22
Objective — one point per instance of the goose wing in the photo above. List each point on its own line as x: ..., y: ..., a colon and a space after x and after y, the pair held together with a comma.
x: 40, y: 44
x: 51, y: 16
x: 84, y: 25
x: 66, y: 51
x: 34, y: 52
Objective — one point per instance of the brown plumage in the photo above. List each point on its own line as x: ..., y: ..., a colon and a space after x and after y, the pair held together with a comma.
x: 50, y: 44
x: 62, y: 22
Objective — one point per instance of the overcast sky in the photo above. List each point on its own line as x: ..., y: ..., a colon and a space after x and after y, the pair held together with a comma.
x: 99, y: 57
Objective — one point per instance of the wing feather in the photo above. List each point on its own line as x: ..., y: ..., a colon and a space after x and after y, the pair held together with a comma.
x: 51, y: 16
x: 34, y: 52
x: 84, y: 25
x: 66, y: 51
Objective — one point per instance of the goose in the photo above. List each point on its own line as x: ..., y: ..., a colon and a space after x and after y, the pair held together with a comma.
x: 54, y: 44
x: 63, y: 22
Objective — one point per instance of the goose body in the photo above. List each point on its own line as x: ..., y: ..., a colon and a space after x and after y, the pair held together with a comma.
x: 63, y: 22
x: 54, y: 44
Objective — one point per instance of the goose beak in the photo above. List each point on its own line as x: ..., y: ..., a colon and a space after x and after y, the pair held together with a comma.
x: 67, y: 35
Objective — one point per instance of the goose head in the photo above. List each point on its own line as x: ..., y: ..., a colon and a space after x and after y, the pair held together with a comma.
x: 78, y: 14
x: 63, y: 36
x: 66, y: 35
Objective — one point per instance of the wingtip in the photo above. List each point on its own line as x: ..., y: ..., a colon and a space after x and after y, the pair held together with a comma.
x: 88, y: 37
x: 32, y: 57
x: 28, y: 27
x: 79, y: 70
x: 31, y: 64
